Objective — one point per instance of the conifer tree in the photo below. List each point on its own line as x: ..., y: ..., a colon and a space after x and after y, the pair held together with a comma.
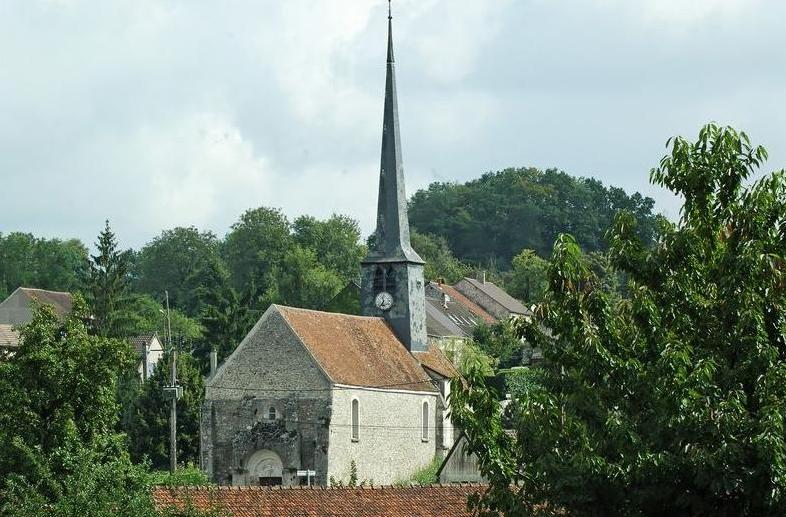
x: 109, y: 286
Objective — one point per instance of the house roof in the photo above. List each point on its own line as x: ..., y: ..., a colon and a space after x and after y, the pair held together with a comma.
x: 450, y: 313
x: 142, y: 341
x: 435, y: 360
x: 60, y: 301
x: 9, y: 338
x: 471, y: 306
x: 499, y: 295
x: 388, y: 501
x: 357, y: 350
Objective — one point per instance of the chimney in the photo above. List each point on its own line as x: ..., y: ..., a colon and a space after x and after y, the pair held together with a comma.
x: 445, y: 300
x: 213, y: 362
x: 484, y: 276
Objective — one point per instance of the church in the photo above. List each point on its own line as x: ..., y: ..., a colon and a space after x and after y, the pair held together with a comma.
x: 311, y: 397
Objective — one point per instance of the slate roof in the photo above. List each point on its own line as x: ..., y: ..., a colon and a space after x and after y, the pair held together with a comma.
x: 435, y: 360
x: 9, y: 338
x: 388, y: 501
x: 357, y: 350
x: 499, y: 295
x: 60, y: 301
x: 458, y: 316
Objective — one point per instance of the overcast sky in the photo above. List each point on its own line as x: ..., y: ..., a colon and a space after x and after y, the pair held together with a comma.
x: 157, y: 113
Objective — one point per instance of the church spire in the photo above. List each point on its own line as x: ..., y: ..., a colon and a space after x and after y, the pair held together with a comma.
x: 392, y: 237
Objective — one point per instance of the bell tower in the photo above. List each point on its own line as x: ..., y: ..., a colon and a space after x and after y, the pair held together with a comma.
x: 392, y: 284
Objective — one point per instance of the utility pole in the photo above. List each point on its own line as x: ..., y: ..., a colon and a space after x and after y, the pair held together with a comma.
x: 173, y: 392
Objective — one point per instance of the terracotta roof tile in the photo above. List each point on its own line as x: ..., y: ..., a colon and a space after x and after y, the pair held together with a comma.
x: 388, y: 501
x: 474, y: 308
x: 357, y: 350
x: 434, y: 359
x: 140, y: 342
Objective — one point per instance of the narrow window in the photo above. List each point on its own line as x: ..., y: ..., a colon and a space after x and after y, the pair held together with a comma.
x: 425, y: 422
x: 271, y: 413
x: 390, y: 280
x: 355, y: 421
x: 379, y: 280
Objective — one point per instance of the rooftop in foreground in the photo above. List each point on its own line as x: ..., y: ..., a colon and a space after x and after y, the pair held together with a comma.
x: 389, y: 501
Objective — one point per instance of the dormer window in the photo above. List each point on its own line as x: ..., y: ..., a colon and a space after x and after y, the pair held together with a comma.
x: 271, y: 413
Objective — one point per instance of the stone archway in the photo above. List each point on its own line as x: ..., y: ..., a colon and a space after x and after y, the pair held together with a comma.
x: 264, y: 467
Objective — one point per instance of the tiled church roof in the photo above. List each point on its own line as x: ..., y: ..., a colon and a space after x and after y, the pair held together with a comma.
x: 388, y: 501
x: 357, y: 350
x: 434, y: 359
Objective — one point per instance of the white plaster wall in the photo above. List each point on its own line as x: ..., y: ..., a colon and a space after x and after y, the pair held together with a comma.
x: 390, y: 447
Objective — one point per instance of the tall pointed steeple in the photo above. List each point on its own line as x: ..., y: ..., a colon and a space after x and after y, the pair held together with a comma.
x: 392, y: 284
x: 392, y: 237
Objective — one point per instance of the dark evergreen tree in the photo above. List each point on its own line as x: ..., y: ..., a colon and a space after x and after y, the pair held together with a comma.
x: 109, y: 287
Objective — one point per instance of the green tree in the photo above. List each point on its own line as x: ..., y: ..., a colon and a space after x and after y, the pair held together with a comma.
x: 59, y: 395
x: 334, y: 241
x: 440, y: 261
x: 494, y: 217
x: 501, y: 342
x: 148, y: 432
x: 27, y: 261
x: 109, y: 287
x: 255, y: 245
x: 528, y: 278
x: 179, y: 261
x: 669, y: 402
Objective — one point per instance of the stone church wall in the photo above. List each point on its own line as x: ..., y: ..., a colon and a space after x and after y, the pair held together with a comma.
x: 390, y: 447
x: 270, y: 368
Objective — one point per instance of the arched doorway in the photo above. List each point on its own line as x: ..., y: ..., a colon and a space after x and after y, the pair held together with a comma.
x: 264, y: 468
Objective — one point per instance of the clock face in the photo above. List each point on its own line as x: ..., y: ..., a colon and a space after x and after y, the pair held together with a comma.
x: 384, y: 301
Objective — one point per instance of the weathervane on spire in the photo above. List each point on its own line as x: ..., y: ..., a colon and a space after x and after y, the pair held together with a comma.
x: 390, y: 13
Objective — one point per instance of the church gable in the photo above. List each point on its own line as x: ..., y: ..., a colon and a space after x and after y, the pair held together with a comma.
x: 271, y: 358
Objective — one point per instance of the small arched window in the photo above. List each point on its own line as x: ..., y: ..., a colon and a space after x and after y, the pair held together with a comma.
x: 355, y: 420
x: 271, y: 413
x: 379, y: 280
x: 424, y: 422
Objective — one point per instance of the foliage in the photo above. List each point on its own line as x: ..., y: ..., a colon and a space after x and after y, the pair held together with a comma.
x: 58, y: 389
x: 669, y: 401
x: 109, y: 284
x: 425, y: 476
x: 148, y: 316
x: 500, y: 342
x: 148, y: 429
x: 189, y: 475
x: 528, y: 279
x: 496, y: 216
x: 440, y: 261
x: 353, y: 478
x: 27, y: 261
x: 181, y: 261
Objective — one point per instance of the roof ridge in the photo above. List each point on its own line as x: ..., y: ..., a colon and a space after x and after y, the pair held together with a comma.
x: 357, y: 316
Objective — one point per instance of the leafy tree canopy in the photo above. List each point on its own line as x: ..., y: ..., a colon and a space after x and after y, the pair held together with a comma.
x: 28, y: 261
x: 440, y: 261
x: 670, y: 400
x: 491, y: 219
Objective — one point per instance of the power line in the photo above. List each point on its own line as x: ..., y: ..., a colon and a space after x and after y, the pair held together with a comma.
x: 300, y: 390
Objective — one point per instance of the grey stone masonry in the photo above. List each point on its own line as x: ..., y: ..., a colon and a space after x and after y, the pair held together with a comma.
x: 270, y: 369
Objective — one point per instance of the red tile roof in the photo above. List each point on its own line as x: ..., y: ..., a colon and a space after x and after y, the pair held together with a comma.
x: 435, y: 360
x: 474, y: 308
x: 388, y: 501
x: 357, y: 350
